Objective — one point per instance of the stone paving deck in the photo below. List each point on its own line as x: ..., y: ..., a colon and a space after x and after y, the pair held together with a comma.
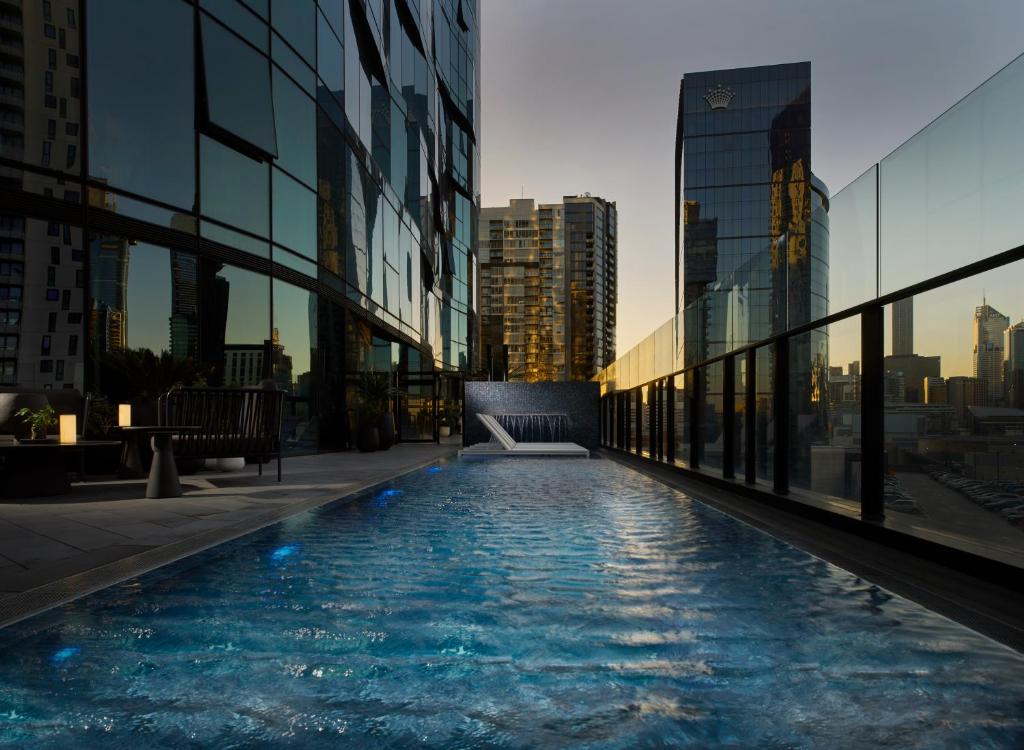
x: 54, y: 549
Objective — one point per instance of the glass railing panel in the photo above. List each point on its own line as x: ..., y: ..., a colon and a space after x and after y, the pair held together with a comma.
x: 954, y: 414
x: 951, y: 195
x: 764, y: 441
x: 853, y: 243
x: 824, y: 405
x: 712, y: 428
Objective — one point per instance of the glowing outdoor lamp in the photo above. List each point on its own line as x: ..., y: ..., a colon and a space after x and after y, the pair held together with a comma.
x: 124, y: 415
x: 68, y: 428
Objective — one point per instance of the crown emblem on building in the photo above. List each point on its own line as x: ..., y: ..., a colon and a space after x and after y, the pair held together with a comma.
x: 719, y: 97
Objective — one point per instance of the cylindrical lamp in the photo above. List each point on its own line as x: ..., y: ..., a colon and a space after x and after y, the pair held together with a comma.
x: 68, y: 428
x: 124, y: 415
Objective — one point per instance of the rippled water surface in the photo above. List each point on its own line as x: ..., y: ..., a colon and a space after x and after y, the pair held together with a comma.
x: 506, y: 604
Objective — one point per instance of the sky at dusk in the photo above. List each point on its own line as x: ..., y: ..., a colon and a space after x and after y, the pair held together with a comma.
x: 581, y: 95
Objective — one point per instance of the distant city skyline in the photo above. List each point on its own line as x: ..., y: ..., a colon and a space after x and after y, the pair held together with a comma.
x: 606, y: 79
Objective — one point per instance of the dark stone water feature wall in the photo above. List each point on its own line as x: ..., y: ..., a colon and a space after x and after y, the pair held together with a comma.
x: 570, y: 411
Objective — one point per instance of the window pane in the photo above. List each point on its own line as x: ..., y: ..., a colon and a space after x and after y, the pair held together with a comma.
x: 144, y: 142
x: 295, y: 21
x: 375, y: 243
x: 294, y: 215
x: 295, y: 329
x: 331, y: 69
x: 144, y: 314
x: 235, y: 189
x: 296, y: 117
x: 236, y: 17
x: 235, y: 324
x: 355, y: 249
x: 238, y: 87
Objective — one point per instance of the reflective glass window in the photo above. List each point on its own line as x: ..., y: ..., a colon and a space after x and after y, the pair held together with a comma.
x: 234, y: 188
x: 295, y: 20
x: 238, y: 92
x: 231, y: 238
x: 144, y: 142
x: 295, y: 262
x: 295, y: 115
x: 399, y: 148
x: 241, y: 20
x: 375, y: 243
x: 292, y: 64
x: 235, y: 343
x: 295, y: 329
x: 294, y: 215
x: 331, y: 70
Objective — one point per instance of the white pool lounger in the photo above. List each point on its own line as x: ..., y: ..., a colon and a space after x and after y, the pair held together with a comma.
x: 506, y: 446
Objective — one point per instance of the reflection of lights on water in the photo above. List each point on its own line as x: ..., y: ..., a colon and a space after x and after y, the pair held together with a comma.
x: 381, y: 498
x: 434, y: 470
x: 283, y: 553
x: 64, y: 654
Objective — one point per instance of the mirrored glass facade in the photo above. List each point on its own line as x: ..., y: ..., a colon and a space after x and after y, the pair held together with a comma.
x: 874, y: 371
x: 269, y: 190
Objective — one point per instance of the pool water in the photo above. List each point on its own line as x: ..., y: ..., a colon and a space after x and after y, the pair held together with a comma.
x: 521, y: 604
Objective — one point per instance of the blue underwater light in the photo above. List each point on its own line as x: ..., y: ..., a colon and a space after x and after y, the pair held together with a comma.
x: 284, y: 552
x: 62, y: 655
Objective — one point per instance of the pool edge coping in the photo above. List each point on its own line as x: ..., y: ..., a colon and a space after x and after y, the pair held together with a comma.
x: 39, y: 599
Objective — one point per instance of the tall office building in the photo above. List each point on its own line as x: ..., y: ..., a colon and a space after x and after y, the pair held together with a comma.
x: 751, y: 218
x: 547, y: 288
x: 903, y: 327
x: 1013, y: 348
x: 752, y: 235
x: 989, y: 328
x: 310, y: 168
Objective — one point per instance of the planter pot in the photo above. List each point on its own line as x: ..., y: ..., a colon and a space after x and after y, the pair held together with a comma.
x: 367, y: 439
x: 445, y: 431
x: 230, y: 464
x: 386, y: 430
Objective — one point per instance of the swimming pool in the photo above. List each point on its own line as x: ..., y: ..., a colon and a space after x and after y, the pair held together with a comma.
x: 520, y: 603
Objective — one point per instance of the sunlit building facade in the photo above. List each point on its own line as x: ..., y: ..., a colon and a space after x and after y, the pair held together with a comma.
x: 548, y: 283
x: 989, y: 339
x: 283, y: 185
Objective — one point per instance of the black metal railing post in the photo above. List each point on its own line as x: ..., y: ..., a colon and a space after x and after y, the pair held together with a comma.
x: 670, y: 419
x: 728, y: 417
x: 696, y: 396
x: 639, y: 420
x: 652, y: 419
x: 872, y: 420
x: 750, y: 419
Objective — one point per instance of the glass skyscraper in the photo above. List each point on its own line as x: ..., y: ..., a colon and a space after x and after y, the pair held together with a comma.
x: 751, y: 219
x: 235, y: 192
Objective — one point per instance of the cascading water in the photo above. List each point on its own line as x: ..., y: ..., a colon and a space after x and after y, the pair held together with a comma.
x: 536, y: 428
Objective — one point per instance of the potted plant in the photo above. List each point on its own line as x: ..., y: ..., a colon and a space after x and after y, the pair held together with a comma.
x: 450, y: 415
x: 39, y: 420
